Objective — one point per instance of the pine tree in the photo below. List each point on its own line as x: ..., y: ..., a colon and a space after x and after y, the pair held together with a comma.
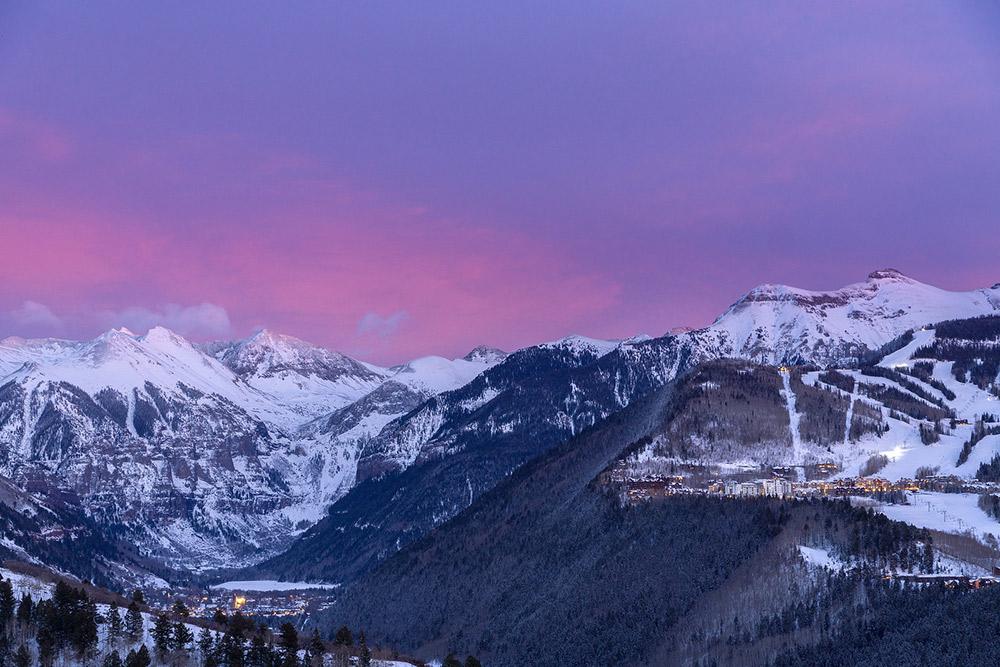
x: 115, y: 627
x: 25, y: 609
x: 22, y: 658
x: 138, y: 597
x: 133, y: 622
x: 83, y: 634
x: 206, y: 645
x: 231, y: 651
x: 219, y: 617
x: 260, y: 653
x: 288, y: 640
x: 471, y: 661
x: 112, y: 660
x: 316, y: 649
x: 138, y: 658
x: 343, y: 637
x: 161, y: 635
x: 451, y: 661
x: 7, y: 603
x: 46, y: 640
x: 180, y: 609
x: 364, y: 655
x: 182, y: 637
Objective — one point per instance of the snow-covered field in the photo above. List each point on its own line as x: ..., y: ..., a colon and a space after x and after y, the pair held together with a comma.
x: 271, y: 585
x: 956, y: 513
x: 821, y: 558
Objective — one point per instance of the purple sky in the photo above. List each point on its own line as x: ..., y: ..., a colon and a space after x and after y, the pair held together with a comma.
x: 397, y: 179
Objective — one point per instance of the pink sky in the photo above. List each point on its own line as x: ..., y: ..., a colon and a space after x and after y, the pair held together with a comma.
x: 420, y: 181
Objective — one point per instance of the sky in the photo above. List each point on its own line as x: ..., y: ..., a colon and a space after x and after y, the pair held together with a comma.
x: 394, y: 179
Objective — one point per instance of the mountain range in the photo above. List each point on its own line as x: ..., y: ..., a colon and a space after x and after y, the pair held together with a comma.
x: 277, y: 455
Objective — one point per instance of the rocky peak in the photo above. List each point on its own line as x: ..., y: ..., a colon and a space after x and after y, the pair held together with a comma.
x: 888, y: 274
x: 486, y: 354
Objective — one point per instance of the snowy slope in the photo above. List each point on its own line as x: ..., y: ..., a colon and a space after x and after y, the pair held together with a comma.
x: 195, y: 451
x: 778, y: 324
x: 433, y: 375
x: 308, y: 379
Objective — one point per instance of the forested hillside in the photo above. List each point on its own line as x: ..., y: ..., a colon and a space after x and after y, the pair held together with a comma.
x: 550, y: 568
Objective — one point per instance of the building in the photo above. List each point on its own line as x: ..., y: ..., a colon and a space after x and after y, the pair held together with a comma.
x: 773, y: 488
x: 776, y: 488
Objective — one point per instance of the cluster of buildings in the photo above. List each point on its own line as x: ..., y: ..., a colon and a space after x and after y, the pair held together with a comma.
x: 257, y: 604
x: 772, y: 488
x: 638, y: 490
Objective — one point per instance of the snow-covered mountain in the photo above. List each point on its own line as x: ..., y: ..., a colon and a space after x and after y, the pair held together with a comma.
x: 196, y: 451
x: 308, y: 379
x: 221, y: 453
x: 777, y: 323
x: 458, y: 444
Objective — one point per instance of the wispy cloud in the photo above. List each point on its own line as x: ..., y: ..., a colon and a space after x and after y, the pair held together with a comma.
x: 36, y: 316
x: 372, y: 323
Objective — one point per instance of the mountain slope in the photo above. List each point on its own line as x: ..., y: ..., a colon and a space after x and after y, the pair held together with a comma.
x: 308, y: 379
x: 427, y: 465
x: 204, y: 455
x: 549, y: 568
x: 780, y: 324
x: 162, y: 441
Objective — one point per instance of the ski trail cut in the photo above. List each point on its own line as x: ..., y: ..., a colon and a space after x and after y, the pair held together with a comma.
x: 798, y: 454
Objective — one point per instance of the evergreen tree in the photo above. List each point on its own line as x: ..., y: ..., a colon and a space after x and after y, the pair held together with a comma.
x: 206, y: 646
x: 343, y: 637
x: 219, y: 617
x: 180, y: 609
x: 364, y: 654
x: 138, y: 658
x: 138, y: 597
x: 240, y: 625
x: 260, y: 653
x: 451, y: 661
x: 471, y: 661
x: 25, y: 609
x: 133, y: 622
x: 22, y: 658
x: 288, y: 640
x: 83, y: 632
x: 115, y: 627
x: 46, y: 640
x: 182, y: 637
x: 7, y: 603
x: 162, y: 635
x: 231, y: 651
x: 316, y: 649
x: 112, y: 660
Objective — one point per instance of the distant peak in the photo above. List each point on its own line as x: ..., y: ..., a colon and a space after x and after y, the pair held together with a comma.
x: 887, y: 274
x: 485, y: 353
x: 159, y: 334
x: 116, y: 334
x: 120, y: 331
x: 263, y: 334
x: 270, y: 338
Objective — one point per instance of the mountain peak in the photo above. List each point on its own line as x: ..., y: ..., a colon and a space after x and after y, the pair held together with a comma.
x: 485, y: 353
x: 888, y: 274
x: 161, y: 334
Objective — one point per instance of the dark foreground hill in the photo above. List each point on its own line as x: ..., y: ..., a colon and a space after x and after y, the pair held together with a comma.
x: 552, y: 568
x: 547, y: 567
